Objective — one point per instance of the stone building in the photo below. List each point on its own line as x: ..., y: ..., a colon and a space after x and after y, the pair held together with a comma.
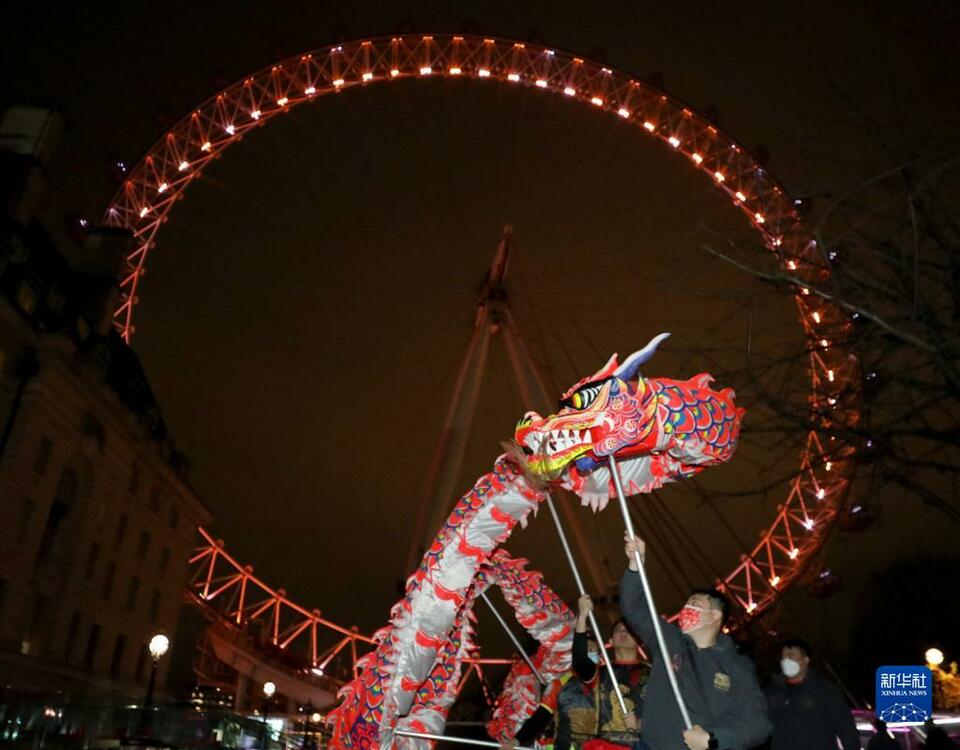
x: 97, y: 518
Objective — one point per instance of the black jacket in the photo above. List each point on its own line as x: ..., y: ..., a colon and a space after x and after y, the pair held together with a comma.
x: 718, y: 684
x: 810, y: 716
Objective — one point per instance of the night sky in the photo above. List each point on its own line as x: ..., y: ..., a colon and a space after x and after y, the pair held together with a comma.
x: 311, y: 298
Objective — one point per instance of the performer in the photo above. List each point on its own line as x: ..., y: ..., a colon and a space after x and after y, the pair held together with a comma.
x: 613, y: 727
x: 718, y: 684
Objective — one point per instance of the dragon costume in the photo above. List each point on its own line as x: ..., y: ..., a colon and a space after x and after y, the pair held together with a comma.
x: 659, y: 430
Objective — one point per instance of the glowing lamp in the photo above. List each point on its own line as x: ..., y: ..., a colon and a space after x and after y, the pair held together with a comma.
x: 828, y: 466
x: 541, y: 83
x: 821, y: 493
x: 808, y: 524
x: 317, y: 671
x: 792, y: 265
x: 697, y: 158
x: 282, y: 101
x: 483, y: 73
x: 793, y: 553
x: 649, y: 126
x: 830, y: 375
x: 205, y: 146
x: 183, y: 166
x: 367, y: 76
x: 674, y: 141
x: 394, y: 72
x: 144, y: 211
x: 315, y: 717
x: 158, y: 646
x: 719, y: 176
x: 269, y: 688
x: 513, y: 77
x: 455, y: 71
x: 759, y: 217
x: 310, y: 90
x: 337, y: 83
x: 934, y: 657
x: 824, y: 343
x: 775, y: 581
x: 816, y: 319
x: 624, y: 113
x: 596, y: 101
x: 163, y: 187
x: 569, y: 91
x: 426, y: 70
x: 256, y: 114
x: 740, y: 196
x: 751, y: 606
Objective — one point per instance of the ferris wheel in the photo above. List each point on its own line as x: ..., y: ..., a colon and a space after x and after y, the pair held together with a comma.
x: 159, y: 180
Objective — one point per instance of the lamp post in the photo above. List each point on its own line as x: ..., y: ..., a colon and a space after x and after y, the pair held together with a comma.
x: 269, y: 688
x: 158, y: 646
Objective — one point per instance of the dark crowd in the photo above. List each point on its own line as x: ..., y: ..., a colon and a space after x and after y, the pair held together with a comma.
x: 728, y: 709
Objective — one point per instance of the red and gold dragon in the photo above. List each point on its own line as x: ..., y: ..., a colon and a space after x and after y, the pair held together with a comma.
x: 659, y: 430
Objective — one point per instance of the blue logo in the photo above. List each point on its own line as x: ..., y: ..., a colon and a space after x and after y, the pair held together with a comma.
x: 904, y: 695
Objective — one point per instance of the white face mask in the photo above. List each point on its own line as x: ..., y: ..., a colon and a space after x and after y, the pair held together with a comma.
x: 594, y: 657
x: 790, y: 668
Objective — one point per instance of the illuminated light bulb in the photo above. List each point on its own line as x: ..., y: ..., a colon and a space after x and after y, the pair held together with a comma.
x: 777, y: 242
x: 934, y: 657
x: 483, y: 73
x: 821, y: 493
x: 205, y: 146
x: 394, y: 72
x: 808, y: 524
x: 649, y: 126
x: 426, y: 70
x: 318, y: 671
x: 675, y: 142
x: 368, y: 76
x: 255, y: 114
x: 740, y: 196
x: 759, y: 217
x: 569, y: 91
x: 719, y: 176
x: 183, y: 166
x: 513, y: 77
x: 230, y: 129
x: 697, y: 158
x: 824, y: 343
x: 310, y: 90
x: 793, y: 553
x: 455, y: 71
x: 549, y: 52
x: 596, y: 101
x: 282, y: 101
x: 804, y: 291
x: 163, y: 187
x: 832, y: 401
x: 338, y: 83
x: 751, y: 606
x: 315, y: 717
x: 541, y: 83
x: 624, y: 113
x: 775, y: 581
x: 830, y: 375
x: 816, y: 319
x: 792, y: 265
x: 828, y: 466
x: 144, y: 211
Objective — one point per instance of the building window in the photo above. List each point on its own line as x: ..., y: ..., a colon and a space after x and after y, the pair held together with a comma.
x: 26, y: 513
x: 164, y: 560
x: 154, y: 605
x: 121, y: 531
x: 93, y: 641
x: 59, y: 509
x: 174, y: 518
x: 72, y: 631
x: 43, y: 456
x: 108, y: 580
x: 93, y: 556
x: 143, y: 548
x: 133, y: 590
x: 116, y: 661
x: 141, y: 664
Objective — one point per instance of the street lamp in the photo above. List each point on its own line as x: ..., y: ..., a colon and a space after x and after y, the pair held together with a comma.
x: 158, y: 646
x: 269, y: 688
x: 934, y: 657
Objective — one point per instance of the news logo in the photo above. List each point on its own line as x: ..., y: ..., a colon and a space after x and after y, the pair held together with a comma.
x: 904, y: 695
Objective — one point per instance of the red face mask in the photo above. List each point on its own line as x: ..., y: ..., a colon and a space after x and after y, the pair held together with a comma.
x: 690, y: 618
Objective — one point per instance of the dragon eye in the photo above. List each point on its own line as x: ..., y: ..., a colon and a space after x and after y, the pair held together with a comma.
x: 584, y: 397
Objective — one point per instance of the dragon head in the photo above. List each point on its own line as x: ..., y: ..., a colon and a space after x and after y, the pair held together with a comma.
x: 610, y: 413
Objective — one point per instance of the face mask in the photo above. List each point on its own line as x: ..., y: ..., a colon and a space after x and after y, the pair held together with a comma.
x: 690, y: 618
x: 594, y: 657
x: 790, y: 668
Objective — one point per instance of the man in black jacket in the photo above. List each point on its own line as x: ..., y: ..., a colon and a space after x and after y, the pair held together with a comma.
x: 807, y: 710
x: 719, y: 685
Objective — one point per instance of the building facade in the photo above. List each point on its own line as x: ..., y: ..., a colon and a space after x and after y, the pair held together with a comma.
x: 97, y: 519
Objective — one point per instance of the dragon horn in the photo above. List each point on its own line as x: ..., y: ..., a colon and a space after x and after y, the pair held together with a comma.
x: 631, y: 365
